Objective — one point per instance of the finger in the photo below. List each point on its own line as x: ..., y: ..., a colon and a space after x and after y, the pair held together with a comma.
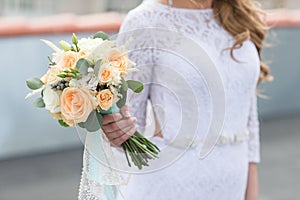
x: 125, y: 122
x: 119, y: 133
x: 119, y: 141
x: 111, y: 118
x: 125, y: 111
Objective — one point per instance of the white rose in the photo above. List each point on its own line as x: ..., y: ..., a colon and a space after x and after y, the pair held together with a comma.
x: 52, y: 100
x: 89, y: 45
x: 101, y: 51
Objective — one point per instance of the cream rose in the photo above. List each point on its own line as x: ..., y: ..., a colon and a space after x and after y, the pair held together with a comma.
x: 69, y: 60
x: 105, y: 74
x: 105, y: 99
x: 77, y: 104
x: 52, y: 100
x: 119, y: 60
x: 51, y: 76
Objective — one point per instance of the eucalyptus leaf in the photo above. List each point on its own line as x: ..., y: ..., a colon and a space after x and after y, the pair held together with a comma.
x: 34, y: 83
x: 82, y: 125
x: 62, y: 123
x: 92, y: 124
x: 82, y: 66
x: 135, y: 86
x: 100, y: 118
x: 122, y: 101
x: 124, y: 84
x: 39, y: 103
x: 101, y: 35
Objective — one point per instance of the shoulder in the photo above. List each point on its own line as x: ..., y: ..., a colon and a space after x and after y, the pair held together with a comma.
x: 140, y: 17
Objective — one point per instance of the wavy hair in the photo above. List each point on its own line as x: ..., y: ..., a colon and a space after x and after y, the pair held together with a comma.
x: 243, y: 20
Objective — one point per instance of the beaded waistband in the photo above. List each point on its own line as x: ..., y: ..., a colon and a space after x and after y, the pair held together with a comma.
x: 223, y: 139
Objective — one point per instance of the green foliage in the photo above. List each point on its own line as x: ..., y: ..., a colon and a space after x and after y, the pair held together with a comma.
x: 124, y: 84
x: 135, y: 86
x: 94, y: 122
x: 101, y: 35
x: 123, y: 92
x: 82, y: 66
x: 39, y: 103
x: 74, y: 39
x: 62, y: 123
x: 34, y: 83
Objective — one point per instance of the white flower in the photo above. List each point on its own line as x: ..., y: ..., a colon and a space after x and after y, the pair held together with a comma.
x: 116, y: 93
x: 52, y: 100
x: 89, y: 44
x: 101, y: 51
x: 116, y: 77
x: 89, y: 82
x: 73, y: 83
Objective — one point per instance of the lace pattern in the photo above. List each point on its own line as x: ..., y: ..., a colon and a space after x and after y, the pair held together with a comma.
x: 223, y: 174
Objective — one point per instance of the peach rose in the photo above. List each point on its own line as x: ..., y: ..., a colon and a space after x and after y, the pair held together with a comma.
x: 119, y: 60
x: 105, y: 74
x: 59, y: 116
x: 76, y: 104
x: 51, y: 76
x: 69, y: 60
x: 105, y: 99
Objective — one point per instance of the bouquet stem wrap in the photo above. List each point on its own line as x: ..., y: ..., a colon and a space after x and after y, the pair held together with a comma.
x: 99, y: 181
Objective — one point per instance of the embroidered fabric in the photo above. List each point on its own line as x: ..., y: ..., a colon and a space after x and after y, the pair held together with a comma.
x: 223, y: 173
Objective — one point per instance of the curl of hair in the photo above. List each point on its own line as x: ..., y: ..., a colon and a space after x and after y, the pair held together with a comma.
x: 243, y: 20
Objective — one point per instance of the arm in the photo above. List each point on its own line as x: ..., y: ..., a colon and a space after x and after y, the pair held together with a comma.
x: 252, y: 185
x: 253, y: 152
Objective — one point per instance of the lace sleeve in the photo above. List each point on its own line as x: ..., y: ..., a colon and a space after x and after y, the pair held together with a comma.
x: 140, y: 52
x: 253, y: 127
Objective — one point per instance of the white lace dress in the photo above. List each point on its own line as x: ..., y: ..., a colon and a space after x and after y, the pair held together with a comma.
x: 223, y: 173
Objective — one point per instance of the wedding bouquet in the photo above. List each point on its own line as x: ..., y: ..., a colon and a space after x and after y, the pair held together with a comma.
x: 85, y: 80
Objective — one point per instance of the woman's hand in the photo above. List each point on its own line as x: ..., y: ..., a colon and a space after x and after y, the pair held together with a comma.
x: 119, y: 127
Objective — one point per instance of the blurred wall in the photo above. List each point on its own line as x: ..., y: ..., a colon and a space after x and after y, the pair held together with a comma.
x: 283, y: 56
x: 27, y: 130
x: 34, y: 8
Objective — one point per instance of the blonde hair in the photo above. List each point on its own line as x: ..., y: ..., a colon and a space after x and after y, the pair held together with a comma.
x: 242, y: 19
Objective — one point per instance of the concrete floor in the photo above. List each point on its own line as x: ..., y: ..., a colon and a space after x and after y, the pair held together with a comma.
x: 56, y: 176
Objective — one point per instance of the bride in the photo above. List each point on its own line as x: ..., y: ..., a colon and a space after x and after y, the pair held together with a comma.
x: 232, y: 33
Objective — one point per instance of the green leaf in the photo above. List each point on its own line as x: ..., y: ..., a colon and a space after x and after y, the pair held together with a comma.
x: 90, y: 62
x: 81, y: 125
x: 124, y: 84
x: 101, y: 35
x: 135, y: 86
x: 122, y: 101
x: 123, y: 92
x: 100, y: 119
x: 82, y: 66
x: 61, y: 76
x: 34, y: 83
x: 92, y: 124
x: 62, y: 123
x: 39, y: 103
